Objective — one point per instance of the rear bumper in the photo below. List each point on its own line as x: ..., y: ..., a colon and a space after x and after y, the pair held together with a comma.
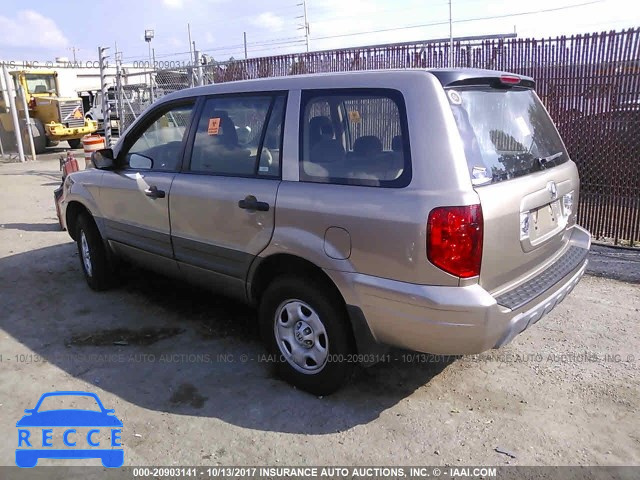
x: 459, y: 320
x: 57, y: 131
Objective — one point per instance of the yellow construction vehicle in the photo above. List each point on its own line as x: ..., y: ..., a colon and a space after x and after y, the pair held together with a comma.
x: 55, y: 118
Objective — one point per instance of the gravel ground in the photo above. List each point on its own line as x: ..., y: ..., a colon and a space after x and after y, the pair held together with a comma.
x: 186, y: 378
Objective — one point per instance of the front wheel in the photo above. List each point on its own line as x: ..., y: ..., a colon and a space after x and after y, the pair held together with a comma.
x: 39, y: 137
x: 93, y: 254
x: 75, y: 143
x: 305, y: 327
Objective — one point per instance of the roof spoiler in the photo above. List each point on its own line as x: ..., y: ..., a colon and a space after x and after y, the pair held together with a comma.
x: 499, y: 80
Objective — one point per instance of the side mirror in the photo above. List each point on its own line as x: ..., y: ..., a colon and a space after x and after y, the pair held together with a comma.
x: 103, y: 159
x: 140, y: 162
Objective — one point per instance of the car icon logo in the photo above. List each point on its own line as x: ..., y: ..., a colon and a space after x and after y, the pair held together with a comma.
x: 69, y: 433
x: 553, y: 190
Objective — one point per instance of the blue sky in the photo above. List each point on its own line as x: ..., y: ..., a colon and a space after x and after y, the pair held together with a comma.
x: 41, y: 30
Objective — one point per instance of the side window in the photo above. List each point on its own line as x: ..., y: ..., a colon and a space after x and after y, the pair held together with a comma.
x: 233, y: 132
x: 161, y: 141
x: 354, y: 137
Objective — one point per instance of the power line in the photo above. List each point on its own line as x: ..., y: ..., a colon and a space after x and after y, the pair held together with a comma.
x: 223, y: 48
x: 287, y: 42
x: 245, y: 18
x: 466, y: 20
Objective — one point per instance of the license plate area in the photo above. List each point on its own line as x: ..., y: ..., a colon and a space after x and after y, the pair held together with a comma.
x: 545, y: 220
x: 540, y: 224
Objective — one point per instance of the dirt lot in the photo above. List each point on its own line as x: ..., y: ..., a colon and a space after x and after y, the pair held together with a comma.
x: 181, y: 368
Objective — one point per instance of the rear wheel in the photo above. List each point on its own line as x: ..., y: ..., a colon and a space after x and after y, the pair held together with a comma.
x: 94, y: 260
x: 75, y: 143
x: 305, y: 327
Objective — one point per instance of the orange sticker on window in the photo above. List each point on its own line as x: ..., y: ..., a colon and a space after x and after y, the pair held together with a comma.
x: 354, y: 116
x: 214, y: 126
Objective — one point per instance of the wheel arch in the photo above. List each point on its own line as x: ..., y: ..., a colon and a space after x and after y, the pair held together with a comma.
x: 72, y: 213
x: 266, y: 269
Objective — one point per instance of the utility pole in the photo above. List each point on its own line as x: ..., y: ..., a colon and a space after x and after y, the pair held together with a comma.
x: 148, y: 36
x: 190, y: 48
x: 306, y: 22
x: 450, y: 37
x: 74, y: 49
x: 245, y: 45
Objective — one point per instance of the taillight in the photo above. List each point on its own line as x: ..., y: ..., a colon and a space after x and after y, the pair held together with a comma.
x: 454, y: 239
x: 32, y: 103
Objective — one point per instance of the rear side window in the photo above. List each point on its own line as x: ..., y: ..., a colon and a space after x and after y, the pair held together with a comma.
x: 239, y: 136
x: 506, y: 133
x: 354, y: 137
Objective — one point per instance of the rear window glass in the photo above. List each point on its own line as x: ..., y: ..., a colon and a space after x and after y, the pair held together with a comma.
x: 506, y: 133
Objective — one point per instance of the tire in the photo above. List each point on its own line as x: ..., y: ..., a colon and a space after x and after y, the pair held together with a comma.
x: 98, y: 272
x: 306, y: 330
x: 75, y: 143
x: 8, y: 139
x: 39, y: 141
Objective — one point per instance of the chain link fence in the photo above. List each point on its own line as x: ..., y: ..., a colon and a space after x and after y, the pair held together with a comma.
x: 589, y: 83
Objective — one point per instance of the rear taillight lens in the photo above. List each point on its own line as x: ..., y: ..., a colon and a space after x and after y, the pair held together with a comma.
x: 454, y: 239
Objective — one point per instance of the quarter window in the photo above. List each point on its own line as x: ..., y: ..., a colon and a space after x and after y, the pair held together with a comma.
x: 234, y: 132
x: 355, y: 137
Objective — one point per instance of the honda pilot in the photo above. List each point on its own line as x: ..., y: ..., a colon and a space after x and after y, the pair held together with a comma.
x: 432, y: 210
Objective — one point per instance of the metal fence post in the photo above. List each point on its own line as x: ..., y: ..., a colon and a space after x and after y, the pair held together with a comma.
x: 14, y: 112
x: 27, y: 120
x: 198, y: 61
x: 119, y: 109
x: 104, y: 88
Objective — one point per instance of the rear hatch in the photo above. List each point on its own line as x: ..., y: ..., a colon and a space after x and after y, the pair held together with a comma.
x: 520, y: 169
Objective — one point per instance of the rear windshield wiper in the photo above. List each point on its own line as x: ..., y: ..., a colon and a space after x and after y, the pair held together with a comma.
x: 541, y: 162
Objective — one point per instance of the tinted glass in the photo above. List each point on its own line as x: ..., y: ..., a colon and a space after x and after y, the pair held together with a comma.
x: 354, y: 138
x: 506, y: 133
x: 229, y: 136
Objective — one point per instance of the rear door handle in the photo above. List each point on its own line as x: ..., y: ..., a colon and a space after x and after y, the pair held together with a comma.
x: 251, y: 203
x: 153, y: 192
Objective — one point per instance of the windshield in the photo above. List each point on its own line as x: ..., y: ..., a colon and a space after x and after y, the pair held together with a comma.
x: 506, y: 133
x: 41, y: 83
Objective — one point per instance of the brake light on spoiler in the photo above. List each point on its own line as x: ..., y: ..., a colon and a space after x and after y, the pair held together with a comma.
x: 509, y: 80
